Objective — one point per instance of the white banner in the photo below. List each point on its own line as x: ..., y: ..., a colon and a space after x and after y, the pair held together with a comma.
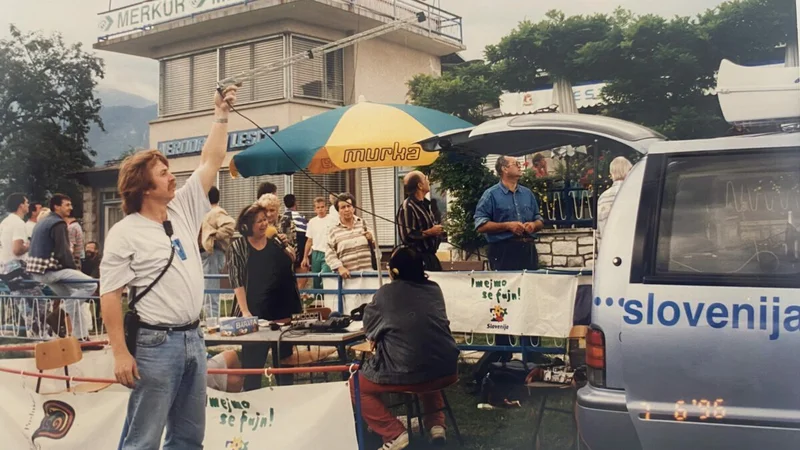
x: 149, y: 13
x: 296, y: 417
x: 529, y: 304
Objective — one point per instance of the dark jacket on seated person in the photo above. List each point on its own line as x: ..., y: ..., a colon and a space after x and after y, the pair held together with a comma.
x: 408, y: 322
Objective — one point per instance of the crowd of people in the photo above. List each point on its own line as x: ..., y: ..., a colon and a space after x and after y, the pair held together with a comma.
x: 169, y: 238
x: 49, y: 247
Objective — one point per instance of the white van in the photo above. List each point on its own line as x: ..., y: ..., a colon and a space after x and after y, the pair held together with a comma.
x: 696, y: 317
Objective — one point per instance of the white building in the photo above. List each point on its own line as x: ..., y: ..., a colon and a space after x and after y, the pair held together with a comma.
x: 198, y: 42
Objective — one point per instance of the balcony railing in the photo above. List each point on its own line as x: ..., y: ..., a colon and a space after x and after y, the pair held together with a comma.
x: 141, y: 16
x: 439, y: 22
x: 565, y: 207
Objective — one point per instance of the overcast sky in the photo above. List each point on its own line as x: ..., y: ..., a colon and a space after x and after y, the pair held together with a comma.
x: 485, y: 22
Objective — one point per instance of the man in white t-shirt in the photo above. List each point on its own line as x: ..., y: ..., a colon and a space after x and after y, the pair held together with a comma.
x: 34, y: 210
x: 333, y: 213
x: 168, y: 369
x: 13, y: 233
x: 14, y: 244
x: 317, y: 242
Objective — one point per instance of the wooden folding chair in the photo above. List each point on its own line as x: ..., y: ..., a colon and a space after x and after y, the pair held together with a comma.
x: 62, y: 352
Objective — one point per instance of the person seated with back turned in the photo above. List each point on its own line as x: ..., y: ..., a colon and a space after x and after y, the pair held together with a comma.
x: 406, y: 322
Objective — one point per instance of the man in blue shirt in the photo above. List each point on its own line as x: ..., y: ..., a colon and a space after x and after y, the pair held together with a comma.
x: 508, y: 216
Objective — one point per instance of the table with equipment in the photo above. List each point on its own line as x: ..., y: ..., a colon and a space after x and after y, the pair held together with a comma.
x: 296, y: 337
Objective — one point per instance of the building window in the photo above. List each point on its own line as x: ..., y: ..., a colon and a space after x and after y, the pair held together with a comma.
x: 188, y: 83
x: 111, y: 196
x: 319, y: 78
x: 266, y: 86
x: 181, y: 179
x: 236, y: 193
x: 306, y: 190
x: 731, y: 215
x: 383, y: 183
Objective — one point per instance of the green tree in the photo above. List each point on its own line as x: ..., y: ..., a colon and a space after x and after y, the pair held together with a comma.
x: 465, y: 177
x: 667, y: 68
x: 465, y: 91
x: 659, y: 73
x: 556, y: 47
x: 46, y: 107
x: 749, y: 31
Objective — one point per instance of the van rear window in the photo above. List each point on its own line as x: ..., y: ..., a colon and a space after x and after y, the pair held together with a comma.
x: 730, y: 214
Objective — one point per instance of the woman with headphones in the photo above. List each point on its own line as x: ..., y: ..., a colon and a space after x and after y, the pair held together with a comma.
x: 407, y: 324
x: 261, y: 272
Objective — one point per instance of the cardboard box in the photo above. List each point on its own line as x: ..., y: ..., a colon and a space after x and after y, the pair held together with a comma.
x: 238, y: 326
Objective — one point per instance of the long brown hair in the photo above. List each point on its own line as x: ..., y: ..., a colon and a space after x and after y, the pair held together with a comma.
x: 135, y: 178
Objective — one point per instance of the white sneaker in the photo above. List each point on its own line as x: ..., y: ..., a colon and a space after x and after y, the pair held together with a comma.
x: 399, y: 443
x: 438, y: 435
x: 414, y: 423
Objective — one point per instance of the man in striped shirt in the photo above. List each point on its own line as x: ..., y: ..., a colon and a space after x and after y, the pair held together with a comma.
x: 300, y: 224
x: 416, y: 222
x: 349, y: 241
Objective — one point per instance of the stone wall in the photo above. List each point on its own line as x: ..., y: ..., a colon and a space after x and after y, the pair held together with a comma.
x: 572, y: 247
x: 90, y: 223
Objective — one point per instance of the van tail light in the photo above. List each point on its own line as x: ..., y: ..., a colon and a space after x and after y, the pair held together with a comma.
x: 596, y: 357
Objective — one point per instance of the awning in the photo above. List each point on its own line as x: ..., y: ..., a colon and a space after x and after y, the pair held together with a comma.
x: 586, y: 95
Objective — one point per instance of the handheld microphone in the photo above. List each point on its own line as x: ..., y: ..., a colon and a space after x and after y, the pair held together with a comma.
x: 272, y: 234
x: 167, y: 227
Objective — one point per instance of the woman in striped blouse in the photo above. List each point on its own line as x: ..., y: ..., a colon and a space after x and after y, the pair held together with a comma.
x: 349, y: 240
x: 261, y: 274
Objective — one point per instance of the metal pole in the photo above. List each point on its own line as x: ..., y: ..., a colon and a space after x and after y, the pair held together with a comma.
x: 324, y: 49
x: 341, y: 296
x: 377, y: 248
x: 429, y: 20
x: 594, y: 182
x: 359, y: 419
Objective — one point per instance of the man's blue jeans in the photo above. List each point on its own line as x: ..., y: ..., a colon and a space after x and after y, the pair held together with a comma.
x: 171, y: 392
x: 213, y: 263
x: 72, y: 306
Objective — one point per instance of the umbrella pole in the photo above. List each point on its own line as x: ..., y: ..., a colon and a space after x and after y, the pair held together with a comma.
x: 375, y: 250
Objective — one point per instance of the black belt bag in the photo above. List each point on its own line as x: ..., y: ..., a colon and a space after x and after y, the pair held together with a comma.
x: 132, y: 321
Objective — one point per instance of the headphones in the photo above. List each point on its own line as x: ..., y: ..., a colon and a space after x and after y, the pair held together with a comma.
x: 247, y: 221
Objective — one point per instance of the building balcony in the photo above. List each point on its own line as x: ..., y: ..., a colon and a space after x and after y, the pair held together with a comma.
x: 153, y: 28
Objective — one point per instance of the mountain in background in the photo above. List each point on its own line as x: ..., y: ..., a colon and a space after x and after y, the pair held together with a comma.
x: 126, y: 118
x: 115, y: 97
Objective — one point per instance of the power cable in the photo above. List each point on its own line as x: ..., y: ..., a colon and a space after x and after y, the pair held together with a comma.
x: 320, y: 185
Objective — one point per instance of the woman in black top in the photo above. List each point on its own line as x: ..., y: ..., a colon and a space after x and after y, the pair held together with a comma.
x: 262, y: 277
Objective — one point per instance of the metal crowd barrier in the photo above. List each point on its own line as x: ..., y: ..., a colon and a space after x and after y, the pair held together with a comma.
x: 525, y: 345
x: 14, y: 307
x: 23, y: 313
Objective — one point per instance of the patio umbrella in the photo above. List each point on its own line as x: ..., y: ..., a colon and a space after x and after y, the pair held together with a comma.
x: 364, y: 135
x: 357, y: 136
